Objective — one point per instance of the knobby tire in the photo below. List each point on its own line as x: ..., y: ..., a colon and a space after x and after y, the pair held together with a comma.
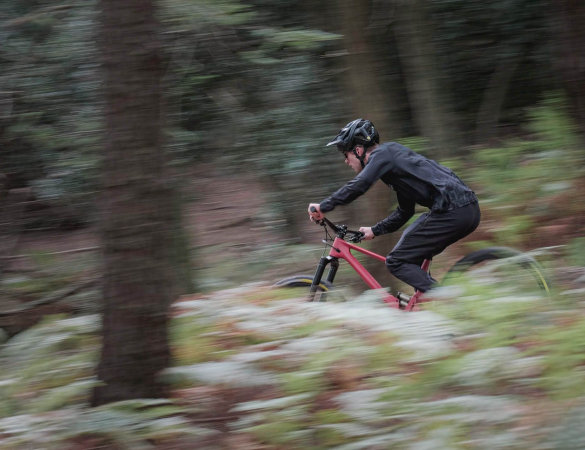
x: 305, y: 281
x: 516, y: 257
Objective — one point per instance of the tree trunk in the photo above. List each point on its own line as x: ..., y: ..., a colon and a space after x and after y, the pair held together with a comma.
x: 493, y: 99
x: 432, y: 115
x: 138, y: 281
x: 367, y: 100
x: 570, y: 30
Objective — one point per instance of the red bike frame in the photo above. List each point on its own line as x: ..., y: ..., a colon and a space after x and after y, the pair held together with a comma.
x: 341, y: 249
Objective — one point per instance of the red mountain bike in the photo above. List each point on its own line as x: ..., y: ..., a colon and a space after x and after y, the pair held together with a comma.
x: 342, y: 241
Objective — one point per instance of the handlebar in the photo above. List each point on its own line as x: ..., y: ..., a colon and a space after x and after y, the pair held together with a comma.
x: 341, y: 231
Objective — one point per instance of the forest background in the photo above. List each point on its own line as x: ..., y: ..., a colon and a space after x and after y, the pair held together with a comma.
x: 156, y: 149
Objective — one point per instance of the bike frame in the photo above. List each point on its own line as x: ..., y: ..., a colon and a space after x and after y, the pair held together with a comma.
x: 341, y: 249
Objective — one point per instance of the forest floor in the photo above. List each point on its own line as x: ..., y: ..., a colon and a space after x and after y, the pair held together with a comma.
x: 233, y: 237
x: 257, y: 368
x: 226, y: 222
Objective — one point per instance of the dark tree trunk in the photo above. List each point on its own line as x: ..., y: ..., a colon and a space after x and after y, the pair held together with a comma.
x: 137, y: 207
x: 494, y: 95
x: 570, y: 30
x: 368, y: 100
x: 429, y: 101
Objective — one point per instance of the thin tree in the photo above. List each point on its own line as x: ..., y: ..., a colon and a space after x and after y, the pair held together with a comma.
x: 570, y: 32
x: 137, y: 213
x: 367, y: 99
x: 429, y: 102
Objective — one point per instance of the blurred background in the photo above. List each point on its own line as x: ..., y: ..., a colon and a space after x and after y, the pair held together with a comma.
x: 253, y: 91
x: 238, y: 101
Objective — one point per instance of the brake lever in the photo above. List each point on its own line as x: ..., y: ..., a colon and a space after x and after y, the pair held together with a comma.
x: 357, y: 237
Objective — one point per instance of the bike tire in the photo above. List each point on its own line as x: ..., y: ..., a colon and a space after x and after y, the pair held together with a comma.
x: 516, y: 257
x: 305, y: 281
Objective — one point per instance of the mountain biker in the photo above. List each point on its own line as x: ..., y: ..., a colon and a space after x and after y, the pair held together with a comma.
x: 453, y: 207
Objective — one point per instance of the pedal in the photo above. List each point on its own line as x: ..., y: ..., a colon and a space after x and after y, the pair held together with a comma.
x: 403, y: 298
x: 319, y: 296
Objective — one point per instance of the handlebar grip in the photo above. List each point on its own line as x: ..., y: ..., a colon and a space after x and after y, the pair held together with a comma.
x: 358, y: 236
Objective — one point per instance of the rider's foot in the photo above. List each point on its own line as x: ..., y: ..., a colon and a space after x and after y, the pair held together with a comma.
x: 419, y: 298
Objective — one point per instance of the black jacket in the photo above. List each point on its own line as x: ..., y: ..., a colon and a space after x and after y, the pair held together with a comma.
x: 415, y: 179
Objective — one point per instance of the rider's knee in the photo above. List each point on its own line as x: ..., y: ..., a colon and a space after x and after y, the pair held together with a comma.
x: 393, y: 264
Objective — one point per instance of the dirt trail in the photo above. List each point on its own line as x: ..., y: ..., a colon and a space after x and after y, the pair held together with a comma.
x: 219, y: 210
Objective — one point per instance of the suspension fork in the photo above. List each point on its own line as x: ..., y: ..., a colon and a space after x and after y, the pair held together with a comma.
x: 323, y: 263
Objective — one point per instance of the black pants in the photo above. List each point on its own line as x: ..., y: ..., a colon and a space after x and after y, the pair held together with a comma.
x: 426, y: 237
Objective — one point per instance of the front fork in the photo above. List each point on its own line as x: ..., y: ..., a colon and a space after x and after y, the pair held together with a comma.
x: 404, y: 301
x: 323, y: 263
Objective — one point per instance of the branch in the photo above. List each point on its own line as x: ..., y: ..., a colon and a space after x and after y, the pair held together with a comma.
x: 54, y: 297
x: 35, y: 15
x: 75, y: 250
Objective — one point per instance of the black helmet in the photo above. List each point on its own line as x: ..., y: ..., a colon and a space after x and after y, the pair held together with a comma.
x: 356, y: 132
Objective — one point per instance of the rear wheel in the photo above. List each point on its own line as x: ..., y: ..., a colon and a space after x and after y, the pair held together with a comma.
x: 303, y: 283
x: 508, y: 267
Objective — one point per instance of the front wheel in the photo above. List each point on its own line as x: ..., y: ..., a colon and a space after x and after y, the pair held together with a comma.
x: 304, y: 282
x: 506, y: 266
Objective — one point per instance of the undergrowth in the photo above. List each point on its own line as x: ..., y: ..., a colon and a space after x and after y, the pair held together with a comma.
x: 504, y: 371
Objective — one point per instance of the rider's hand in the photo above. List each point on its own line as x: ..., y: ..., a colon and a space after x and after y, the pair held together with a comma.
x: 315, y: 212
x: 368, y: 233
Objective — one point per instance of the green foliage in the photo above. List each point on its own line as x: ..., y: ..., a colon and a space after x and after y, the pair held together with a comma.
x: 489, y: 305
x: 342, y: 382
x: 311, y: 328
x: 249, y: 82
x: 520, y: 181
x: 576, y: 251
x: 513, y: 229
x: 193, y: 342
x: 567, y: 434
x: 563, y: 357
x: 216, y: 79
x: 296, y: 39
x: 247, y: 95
x: 385, y: 354
x: 49, y: 130
x: 304, y: 381
x: 502, y: 159
x: 417, y: 143
x: 553, y: 125
x: 474, y: 39
x: 49, y: 366
x: 280, y: 431
x: 248, y: 86
x: 206, y: 13
x: 134, y: 424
